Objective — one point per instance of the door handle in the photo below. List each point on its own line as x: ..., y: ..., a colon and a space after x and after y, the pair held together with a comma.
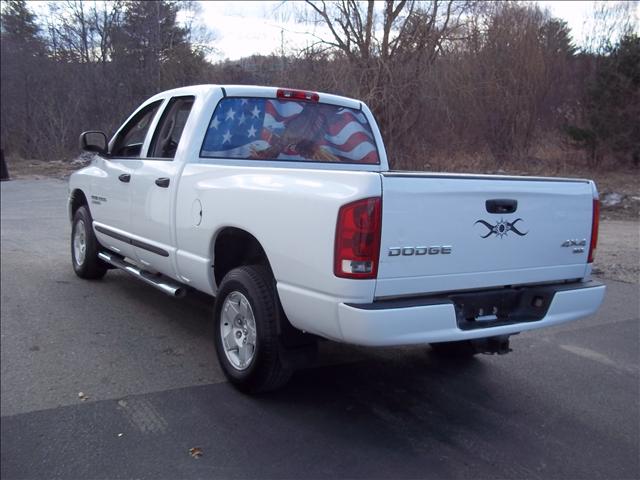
x: 125, y: 177
x: 162, y: 182
x: 501, y: 205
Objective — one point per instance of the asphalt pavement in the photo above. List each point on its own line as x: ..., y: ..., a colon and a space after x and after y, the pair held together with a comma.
x: 564, y: 404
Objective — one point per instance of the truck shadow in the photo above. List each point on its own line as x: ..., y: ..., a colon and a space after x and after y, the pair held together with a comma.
x: 414, y: 408
x: 409, y: 391
x: 404, y: 390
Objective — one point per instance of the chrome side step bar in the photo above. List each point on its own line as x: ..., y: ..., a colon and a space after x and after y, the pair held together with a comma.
x: 162, y: 283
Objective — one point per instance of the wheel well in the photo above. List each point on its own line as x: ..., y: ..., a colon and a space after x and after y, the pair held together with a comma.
x: 78, y: 199
x: 233, y: 248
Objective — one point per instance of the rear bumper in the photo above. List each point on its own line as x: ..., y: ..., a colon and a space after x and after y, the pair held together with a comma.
x: 437, y: 319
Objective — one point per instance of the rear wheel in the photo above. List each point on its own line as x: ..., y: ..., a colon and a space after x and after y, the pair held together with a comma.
x: 84, y: 247
x: 463, y: 349
x: 246, y: 333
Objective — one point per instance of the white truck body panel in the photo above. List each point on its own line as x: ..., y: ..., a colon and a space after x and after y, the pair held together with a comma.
x: 286, y: 210
x: 291, y: 207
x: 439, y: 210
x: 105, y: 184
x: 152, y: 212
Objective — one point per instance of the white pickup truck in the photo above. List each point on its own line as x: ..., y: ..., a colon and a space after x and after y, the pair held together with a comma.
x: 280, y: 204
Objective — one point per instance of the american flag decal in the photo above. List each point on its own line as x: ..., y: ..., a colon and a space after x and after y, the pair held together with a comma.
x: 260, y: 128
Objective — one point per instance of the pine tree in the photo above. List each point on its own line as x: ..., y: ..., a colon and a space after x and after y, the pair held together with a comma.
x: 153, y: 46
x: 22, y: 56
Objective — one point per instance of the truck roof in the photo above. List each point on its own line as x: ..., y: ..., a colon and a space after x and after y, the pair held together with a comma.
x: 254, y: 91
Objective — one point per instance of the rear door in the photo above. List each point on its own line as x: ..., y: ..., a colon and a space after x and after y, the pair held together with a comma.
x: 154, y: 185
x: 448, y: 233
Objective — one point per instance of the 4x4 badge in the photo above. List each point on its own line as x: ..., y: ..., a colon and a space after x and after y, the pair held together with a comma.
x: 501, y: 228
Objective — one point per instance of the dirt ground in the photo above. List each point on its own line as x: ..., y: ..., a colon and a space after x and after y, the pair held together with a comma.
x: 618, y: 253
x: 37, y: 169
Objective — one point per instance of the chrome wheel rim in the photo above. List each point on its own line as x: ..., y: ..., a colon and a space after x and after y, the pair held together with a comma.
x: 79, y: 243
x: 238, y: 330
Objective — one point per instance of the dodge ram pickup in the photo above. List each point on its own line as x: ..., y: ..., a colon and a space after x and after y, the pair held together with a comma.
x: 280, y: 204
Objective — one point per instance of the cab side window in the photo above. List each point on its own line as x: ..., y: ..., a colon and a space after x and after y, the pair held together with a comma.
x: 131, y: 137
x: 169, y: 130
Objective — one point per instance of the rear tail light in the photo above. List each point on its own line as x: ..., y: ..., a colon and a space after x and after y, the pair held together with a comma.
x: 594, y: 229
x: 357, y: 245
x: 297, y: 95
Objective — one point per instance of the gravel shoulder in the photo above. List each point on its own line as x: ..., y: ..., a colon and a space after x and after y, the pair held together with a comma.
x: 618, y: 251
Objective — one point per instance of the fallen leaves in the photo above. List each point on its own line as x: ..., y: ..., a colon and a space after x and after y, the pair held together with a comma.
x: 195, y: 452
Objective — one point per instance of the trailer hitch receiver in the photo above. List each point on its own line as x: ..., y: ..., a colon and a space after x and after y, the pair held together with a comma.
x: 492, y: 345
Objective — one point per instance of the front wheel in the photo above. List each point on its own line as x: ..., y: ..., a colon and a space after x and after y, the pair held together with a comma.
x: 84, y: 247
x: 246, y: 334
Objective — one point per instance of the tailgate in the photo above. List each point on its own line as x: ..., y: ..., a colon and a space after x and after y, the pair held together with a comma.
x: 454, y: 232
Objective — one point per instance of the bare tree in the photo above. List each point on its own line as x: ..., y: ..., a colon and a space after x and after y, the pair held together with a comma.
x: 81, y: 32
x: 608, y: 22
x: 519, y: 58
x: 390, y: 50
x: 91, y: 66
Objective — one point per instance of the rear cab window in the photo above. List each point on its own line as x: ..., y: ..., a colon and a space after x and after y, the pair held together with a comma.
x: 275, y: 129
x: 166, y: 137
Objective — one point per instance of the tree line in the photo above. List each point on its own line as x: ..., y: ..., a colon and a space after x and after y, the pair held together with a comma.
x: 497, y: 82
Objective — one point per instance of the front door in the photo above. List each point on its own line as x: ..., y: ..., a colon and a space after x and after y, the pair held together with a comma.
x: 111, y: 191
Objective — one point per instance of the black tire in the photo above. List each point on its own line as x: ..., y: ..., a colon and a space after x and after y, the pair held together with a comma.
x: 89, y: 267
x: 266, y: 370
x: 463, y: 349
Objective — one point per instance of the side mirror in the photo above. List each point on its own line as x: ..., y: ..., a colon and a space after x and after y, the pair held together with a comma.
x: 93, y: 141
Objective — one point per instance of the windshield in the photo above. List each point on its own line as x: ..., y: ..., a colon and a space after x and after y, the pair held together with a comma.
x: 269, y: 129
